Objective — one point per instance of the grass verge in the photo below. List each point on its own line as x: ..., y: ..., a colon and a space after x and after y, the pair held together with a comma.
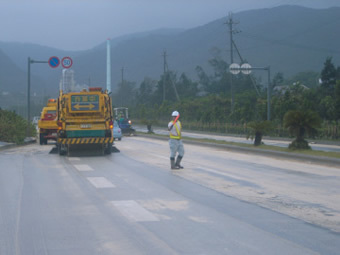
x: 263, y: 147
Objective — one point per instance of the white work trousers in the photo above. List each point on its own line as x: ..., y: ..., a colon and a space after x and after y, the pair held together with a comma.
x: 176, y: 145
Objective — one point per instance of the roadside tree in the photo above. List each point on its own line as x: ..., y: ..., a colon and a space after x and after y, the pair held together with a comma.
x: 300, y: 123
x: 258, y: 129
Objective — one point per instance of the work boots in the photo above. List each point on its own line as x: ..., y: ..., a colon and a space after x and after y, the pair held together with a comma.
x: 178, y: 161
x: 173, y: 165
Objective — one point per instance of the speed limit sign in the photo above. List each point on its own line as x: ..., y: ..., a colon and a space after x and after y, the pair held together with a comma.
x: 66, y: 62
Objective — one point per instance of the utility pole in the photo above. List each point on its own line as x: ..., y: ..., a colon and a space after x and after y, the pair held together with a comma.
x: 242, y: 62
x: 29, y: 61
x: 230, y: 23
x: 122, y: 76
x: 164, y: 72
x: 245, y: 70
x: 122, y: 87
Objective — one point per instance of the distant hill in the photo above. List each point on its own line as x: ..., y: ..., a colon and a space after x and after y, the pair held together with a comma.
x: 91, y: 61
x: 14, y: 79
x: 290, y: 39
x: 11, y: 76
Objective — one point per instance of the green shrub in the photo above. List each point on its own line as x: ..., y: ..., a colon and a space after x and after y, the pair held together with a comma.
x: 13, y: 128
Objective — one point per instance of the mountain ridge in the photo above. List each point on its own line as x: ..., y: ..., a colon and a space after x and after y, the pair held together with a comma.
x: 289, y: 39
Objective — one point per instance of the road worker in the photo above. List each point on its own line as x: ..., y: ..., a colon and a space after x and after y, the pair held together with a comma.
x: 175, y: 141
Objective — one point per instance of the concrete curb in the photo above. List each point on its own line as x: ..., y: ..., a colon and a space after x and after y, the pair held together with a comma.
x: 13, y: 145
x: 327, y: 161
x: 7, y: 146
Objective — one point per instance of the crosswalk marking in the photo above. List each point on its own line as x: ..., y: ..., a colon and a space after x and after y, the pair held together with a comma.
x: 100, y: 182
x: 133, y: 211
x: 73, y: 159
x: 83, y: 167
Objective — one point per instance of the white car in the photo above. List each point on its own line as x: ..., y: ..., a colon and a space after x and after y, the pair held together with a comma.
x: 117, y: 132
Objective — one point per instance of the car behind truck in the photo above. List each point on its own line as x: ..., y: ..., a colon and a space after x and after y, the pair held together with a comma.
x: 85, y: 121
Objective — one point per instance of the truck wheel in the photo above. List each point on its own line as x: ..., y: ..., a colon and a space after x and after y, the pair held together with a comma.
x: 108, y: 148
x: 41, y: 139
x: 68, y: 149
x: 61, y: 150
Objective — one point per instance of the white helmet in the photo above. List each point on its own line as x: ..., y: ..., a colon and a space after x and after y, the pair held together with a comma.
x: 175, y: 114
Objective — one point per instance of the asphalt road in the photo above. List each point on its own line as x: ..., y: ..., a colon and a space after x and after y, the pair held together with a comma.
x: 274, y: 142
x: 132, y: 203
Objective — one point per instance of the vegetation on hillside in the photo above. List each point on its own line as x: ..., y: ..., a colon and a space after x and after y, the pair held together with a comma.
x: 206, y: 104
x: 216, y: 100
x: 13, y: 127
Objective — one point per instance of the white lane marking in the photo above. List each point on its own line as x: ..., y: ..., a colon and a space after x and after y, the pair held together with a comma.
x: 100, y: 182
x: 159, y: 156
x: 74, y: 159
x: 83, y: 167
x: 133, y: 211
x: 56, y: 166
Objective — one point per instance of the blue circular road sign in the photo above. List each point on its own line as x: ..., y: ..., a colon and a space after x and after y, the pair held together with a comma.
x: 54, y: 62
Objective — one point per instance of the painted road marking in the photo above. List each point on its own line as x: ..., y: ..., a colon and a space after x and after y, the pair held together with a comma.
x: 100, y: 182
x: 158, y: 156
x: 133, y: 211
x: 74, y: 159
x: 83, y: 167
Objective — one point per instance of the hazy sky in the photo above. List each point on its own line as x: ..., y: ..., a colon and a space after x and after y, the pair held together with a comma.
x: 83, y: 24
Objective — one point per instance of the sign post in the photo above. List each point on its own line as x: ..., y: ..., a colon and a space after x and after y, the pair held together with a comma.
x: 53, y: 62
x: 246, y: 69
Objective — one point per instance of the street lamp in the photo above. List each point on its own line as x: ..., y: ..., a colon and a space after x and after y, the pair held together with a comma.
x: 29, y: 62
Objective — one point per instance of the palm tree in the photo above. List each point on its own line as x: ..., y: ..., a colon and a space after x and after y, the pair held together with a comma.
x: 258, y: 129
x: 300, y: 123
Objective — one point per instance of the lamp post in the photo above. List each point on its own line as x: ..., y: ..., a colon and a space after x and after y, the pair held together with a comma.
x: 268, y: 87
x: 29, y: 62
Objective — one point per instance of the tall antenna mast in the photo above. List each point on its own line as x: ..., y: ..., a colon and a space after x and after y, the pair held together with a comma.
x: 108, y: 66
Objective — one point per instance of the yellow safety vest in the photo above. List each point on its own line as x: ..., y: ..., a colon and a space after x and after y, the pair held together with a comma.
x: 178, y: 131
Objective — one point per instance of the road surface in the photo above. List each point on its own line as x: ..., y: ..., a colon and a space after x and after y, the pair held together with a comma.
x: 132, y: 203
